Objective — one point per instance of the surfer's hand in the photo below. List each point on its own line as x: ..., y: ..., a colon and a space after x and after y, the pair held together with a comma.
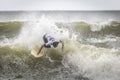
x: 38, y: 53
x: 62, y: 47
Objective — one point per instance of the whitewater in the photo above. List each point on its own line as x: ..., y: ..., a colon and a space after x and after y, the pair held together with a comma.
x: 91, y: 51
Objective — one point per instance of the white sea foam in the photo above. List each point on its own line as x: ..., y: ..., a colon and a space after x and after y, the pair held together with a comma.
x: 94, y: 63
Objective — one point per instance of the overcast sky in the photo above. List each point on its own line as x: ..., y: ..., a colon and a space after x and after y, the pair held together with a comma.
x: 59, y: 5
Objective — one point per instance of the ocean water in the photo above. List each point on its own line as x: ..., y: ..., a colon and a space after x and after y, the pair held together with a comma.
x: 91, y: 51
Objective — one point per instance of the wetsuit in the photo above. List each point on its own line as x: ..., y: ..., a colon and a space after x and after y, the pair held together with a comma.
x: 49, y: 40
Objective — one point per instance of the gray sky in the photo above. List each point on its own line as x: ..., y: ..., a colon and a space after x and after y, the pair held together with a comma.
x: 59, y: 5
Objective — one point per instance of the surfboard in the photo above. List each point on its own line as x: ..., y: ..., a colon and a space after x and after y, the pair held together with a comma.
x: 35, y: 50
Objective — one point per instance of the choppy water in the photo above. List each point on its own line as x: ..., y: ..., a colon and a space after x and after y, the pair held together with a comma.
x: 91, y: 45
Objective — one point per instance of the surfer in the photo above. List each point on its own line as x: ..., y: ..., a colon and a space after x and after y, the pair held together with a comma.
x: 50, y: 41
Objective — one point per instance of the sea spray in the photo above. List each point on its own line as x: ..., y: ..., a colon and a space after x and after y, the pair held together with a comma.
x: 32, y: 32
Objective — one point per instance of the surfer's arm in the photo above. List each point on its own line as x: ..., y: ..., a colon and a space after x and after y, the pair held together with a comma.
x: 40, y: 49
x: 62, y: 44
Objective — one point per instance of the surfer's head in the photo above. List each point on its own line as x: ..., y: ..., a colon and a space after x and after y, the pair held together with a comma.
x: 55, y: 44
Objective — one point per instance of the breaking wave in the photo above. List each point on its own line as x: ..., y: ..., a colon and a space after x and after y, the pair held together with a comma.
x: 88, y: 53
